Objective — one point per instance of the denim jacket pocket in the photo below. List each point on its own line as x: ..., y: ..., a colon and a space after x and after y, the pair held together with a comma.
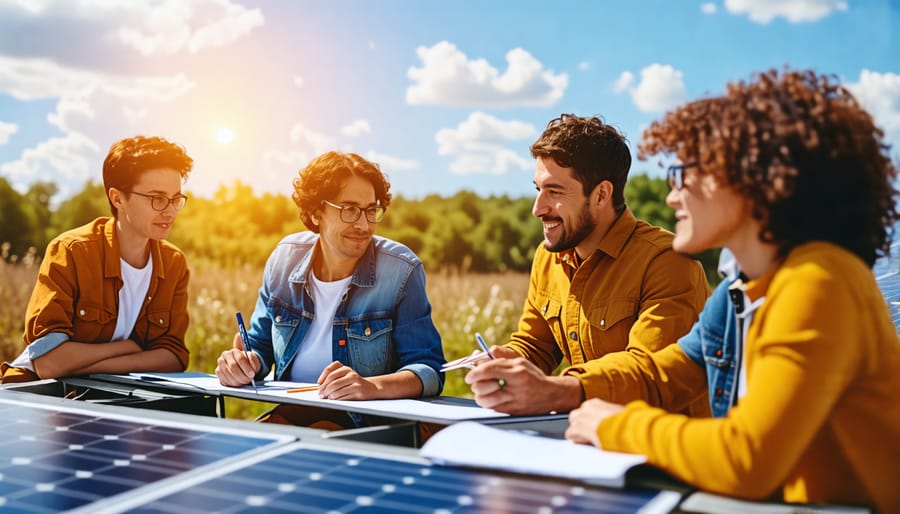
x: 606, y: 316
x: 714, y: 352
x: 369, y: 342
x: 284, y: 323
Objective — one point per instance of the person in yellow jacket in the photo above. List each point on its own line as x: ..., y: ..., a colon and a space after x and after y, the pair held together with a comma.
x: 789, y: 173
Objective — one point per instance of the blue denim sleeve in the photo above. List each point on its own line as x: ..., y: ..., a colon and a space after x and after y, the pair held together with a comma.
x: 260, y: 330
x: 417, y: 341
x: 712, y: 318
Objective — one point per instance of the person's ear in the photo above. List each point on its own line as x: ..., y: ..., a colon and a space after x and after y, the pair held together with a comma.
x: 116, y: 197
x: 602, y: 193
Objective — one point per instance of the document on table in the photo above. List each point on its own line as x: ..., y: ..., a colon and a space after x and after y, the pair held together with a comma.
x: 275, y: 391
x: 472, y: 444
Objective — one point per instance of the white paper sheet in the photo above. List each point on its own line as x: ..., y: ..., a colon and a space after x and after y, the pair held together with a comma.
x: 476, y: 445
x: 272, y: 391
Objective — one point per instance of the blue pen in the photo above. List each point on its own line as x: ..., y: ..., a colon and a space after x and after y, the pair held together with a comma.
x: 245, y: 340
x: 483, y: 345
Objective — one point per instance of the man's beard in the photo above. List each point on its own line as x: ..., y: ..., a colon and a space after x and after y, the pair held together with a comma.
x: 584, y: 225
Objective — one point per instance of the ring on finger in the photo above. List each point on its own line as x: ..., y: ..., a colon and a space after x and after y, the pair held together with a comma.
x: 501, y: 383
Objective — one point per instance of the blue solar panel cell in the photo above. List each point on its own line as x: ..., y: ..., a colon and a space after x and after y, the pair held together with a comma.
x: 313, y: 480
x: 887, y: 274
x: 54, y: 459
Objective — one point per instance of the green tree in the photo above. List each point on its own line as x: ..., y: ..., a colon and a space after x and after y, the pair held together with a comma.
x: 84, y: 207
x: 16, y: 224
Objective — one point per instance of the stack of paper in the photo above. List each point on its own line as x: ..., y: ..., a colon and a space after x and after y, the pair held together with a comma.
x: 475, y: 445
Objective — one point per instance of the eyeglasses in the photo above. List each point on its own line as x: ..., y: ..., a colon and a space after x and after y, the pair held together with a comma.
x: 675, y: 174
x: 160, y: 202
x: 351, y: 213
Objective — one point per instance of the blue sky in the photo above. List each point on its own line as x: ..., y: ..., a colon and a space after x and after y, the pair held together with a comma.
x: 443, y: 95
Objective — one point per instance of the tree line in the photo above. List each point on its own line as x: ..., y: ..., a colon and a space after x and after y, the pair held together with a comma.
x: 462, y: 232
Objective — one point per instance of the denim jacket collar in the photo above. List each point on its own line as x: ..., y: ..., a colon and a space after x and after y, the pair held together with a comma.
x: 363, y: 273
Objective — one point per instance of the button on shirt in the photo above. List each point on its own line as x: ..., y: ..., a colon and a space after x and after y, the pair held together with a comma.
x: 632, y: 290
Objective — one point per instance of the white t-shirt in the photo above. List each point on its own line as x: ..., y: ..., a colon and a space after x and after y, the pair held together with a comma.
x: 315, y: 349
x: 135, y: 282
x: 744, y: 319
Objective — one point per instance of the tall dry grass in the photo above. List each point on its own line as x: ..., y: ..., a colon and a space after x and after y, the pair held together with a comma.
x: 462, y: 304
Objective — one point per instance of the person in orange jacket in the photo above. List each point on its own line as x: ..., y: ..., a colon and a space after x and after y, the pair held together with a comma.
x: 790, y: 174
x: 111, y: 296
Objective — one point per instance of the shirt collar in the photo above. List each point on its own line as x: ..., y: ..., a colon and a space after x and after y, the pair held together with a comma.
x: 612, y: 244
x: 363, y: 272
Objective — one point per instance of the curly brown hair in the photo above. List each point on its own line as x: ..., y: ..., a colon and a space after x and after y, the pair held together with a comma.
x: 129, y: 158
x: 799, y: 146
x: 324, y: 176
x: 594, y: 150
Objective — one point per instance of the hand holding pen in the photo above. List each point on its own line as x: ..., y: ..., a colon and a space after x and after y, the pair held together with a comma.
x: 477, y: 356
x: 245, y: 341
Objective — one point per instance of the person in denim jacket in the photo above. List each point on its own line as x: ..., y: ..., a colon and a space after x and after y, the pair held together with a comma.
x: 339, y: 306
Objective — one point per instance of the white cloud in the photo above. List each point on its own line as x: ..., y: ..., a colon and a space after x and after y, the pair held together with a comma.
x: 6, y: 130
x: 478, y: 145
x: 66, y: 160
x: 879, y: 93
x: 661, y: 88
x: 389, y: 163
x: 623, y: 82
x: 316, y: 142
x: 31, y: 79
x: 448, y: 77
x: 357, y: 128
x: 708, y: 8
x: 584, y: 66
x: 230, y: 24
x: 795, y: 11
x: 150, y: 27
x: 280, y: 167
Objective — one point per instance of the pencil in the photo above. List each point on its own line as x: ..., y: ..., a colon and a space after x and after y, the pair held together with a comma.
x: 304, y: 389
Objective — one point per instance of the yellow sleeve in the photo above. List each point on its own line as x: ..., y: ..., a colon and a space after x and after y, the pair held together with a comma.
x: 798, y: 366
x: 673, y: 293
x: 667, y: 378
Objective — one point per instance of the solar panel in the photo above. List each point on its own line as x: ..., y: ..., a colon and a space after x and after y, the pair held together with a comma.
x: 887, y: 274
x: 333, y: 480
x: 54, y: 458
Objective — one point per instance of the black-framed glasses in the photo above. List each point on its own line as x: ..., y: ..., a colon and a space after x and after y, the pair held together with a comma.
x: 351, y: 213
x: 161, y: 202
x: 675, y: 174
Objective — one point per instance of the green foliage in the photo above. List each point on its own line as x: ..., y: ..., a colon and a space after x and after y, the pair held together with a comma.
x: 236, y: 227
x: 86, y: 205
x: 646, y: 197
x: 15, y: 220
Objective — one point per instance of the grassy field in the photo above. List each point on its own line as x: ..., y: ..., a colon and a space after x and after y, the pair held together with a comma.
x: 463, y: 303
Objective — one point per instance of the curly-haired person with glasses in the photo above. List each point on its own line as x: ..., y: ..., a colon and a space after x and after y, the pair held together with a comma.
x: 340, y: 306
x: 111, y: 296
x: 790, y: 174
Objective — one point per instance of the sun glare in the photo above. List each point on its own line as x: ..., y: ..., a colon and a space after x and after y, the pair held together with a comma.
x: 224, y: 135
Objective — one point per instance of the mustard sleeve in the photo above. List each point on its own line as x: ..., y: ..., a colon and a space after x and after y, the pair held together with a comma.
x: 534, y: 339
x: 673, y: 292
x: 798, y: 362
x: 668, y: 378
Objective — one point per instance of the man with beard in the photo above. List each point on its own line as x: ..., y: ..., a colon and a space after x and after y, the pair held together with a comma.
x: 601, y: 282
